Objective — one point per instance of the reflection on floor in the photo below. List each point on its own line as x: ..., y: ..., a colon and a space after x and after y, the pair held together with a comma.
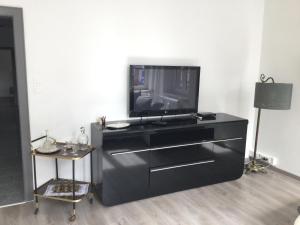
x: 11, y: 181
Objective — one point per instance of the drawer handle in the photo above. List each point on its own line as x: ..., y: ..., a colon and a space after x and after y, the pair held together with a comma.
x: 175, y: 146
x: 195, y: 143
x: 183, y: 165
x: 129, y: 152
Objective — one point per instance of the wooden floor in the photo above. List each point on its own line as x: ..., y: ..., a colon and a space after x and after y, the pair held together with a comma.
x: 256, y: 199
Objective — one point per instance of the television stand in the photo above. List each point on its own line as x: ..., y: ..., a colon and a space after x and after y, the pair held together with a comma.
x: 146, y: 160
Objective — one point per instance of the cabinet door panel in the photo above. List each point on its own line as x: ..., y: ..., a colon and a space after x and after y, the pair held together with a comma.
x: 229, y: 156
x: 126, y: 176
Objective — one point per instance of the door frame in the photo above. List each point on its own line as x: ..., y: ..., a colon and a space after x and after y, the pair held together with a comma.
x: 20, y: 67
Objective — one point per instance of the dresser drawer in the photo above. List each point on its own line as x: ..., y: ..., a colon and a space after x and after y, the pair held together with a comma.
x: 180, y: 154
x: 181, y: 176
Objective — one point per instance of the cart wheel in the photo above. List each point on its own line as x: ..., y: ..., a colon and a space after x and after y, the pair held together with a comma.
x: 72, y: 218
x: 91, y: 200
x: 36, y: 211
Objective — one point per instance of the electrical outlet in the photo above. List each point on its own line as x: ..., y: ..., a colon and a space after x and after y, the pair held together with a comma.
x: 268, y: 159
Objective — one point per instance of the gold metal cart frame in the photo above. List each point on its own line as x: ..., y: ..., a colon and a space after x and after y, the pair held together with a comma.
x: 39, y: 191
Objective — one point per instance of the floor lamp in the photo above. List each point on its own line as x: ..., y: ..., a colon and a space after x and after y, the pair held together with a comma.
x: 268, y: 95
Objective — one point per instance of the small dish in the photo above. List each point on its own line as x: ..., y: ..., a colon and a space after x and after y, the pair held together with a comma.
x: 117, y: 125
x: 48, y: 150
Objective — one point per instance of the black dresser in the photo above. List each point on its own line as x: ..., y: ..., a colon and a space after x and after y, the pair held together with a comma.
x: 146, y: 160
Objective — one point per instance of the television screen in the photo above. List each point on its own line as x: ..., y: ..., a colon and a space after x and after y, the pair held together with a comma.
x: 163, y: 90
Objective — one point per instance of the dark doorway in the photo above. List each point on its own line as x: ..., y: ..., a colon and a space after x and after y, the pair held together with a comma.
x: 11, y: 175
x: 15, y: 159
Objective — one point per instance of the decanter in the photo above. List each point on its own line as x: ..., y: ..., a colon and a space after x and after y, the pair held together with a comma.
x: 83, y: 139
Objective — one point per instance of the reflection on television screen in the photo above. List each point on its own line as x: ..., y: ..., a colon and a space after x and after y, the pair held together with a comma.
x: 164, y: 88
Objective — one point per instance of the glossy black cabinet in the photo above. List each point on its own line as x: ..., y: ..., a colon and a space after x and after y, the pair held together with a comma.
x: 146, y: 160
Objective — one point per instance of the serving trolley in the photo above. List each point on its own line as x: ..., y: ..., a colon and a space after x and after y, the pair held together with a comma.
x: 39, y: 192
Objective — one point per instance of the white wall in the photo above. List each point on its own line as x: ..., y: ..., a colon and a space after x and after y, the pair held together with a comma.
x: 279, y: 133
x: 78, y: 54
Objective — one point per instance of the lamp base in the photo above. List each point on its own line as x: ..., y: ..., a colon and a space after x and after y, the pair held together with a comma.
x: 254, y: 167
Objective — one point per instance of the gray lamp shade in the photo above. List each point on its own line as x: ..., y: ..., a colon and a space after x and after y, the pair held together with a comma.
x: 276, y: 96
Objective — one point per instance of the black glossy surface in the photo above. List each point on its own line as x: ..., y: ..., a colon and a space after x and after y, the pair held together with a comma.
x: 175, y: 136
x: 171, y: 180
x: 178, y: 155
x: 229, y: 156
x: 125, y: 176
x: 146, y: 160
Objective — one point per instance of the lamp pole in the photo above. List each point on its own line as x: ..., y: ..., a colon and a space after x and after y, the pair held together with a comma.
x: 253, y: 166
x: 256, y: 135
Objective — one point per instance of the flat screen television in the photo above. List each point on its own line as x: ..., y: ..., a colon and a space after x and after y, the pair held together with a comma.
x: 163, y: 90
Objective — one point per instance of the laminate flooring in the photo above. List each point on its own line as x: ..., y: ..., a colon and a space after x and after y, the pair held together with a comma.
x: 256, y: 199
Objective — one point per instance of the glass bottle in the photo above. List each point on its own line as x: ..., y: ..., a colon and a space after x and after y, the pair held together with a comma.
x: 82, y: 139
